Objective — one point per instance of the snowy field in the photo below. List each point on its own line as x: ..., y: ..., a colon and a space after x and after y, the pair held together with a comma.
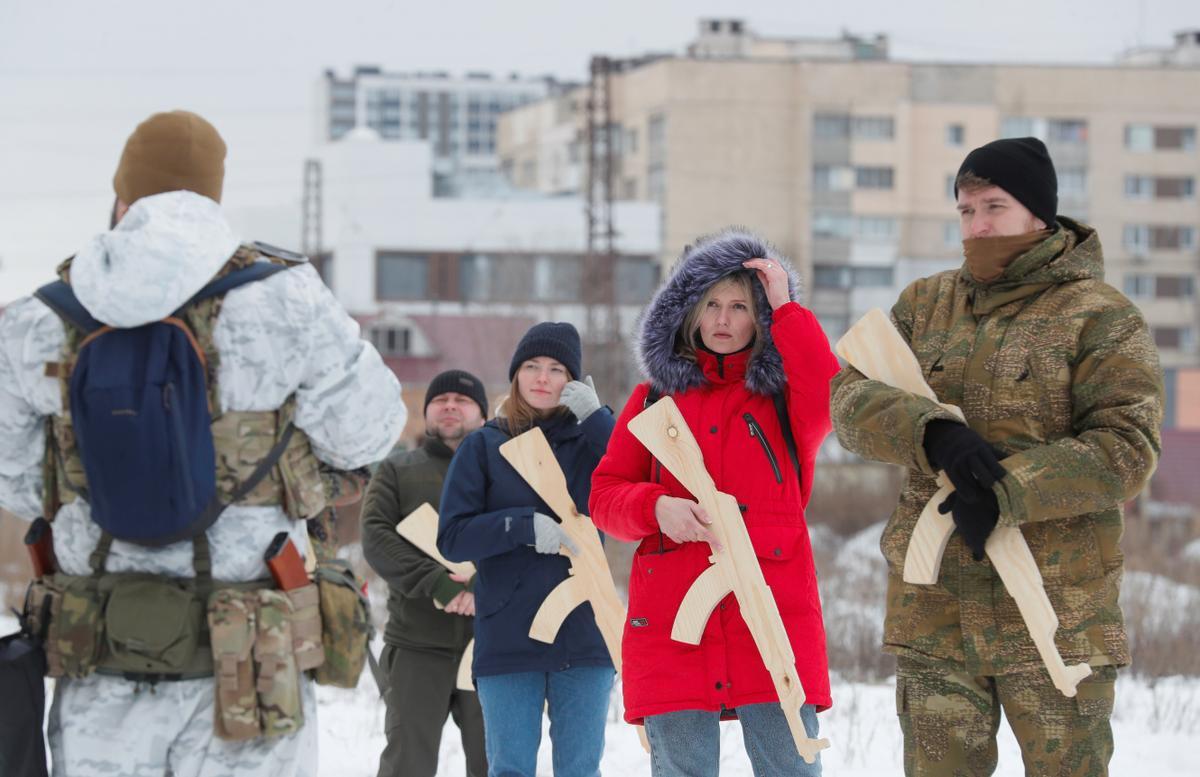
x: 1156, y: 726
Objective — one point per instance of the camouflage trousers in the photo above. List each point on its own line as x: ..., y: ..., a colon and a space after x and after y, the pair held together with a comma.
x: 111, y: 727
x: 950, y: 719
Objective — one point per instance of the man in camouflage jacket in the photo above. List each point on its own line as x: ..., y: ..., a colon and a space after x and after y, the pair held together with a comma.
x: 1059, y: 380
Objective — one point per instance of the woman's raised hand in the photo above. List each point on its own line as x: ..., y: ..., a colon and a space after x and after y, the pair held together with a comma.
x: 773, y: 278
x: 684, y: 521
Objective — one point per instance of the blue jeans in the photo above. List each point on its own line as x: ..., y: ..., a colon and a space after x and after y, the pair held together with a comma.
x: 688, y: 743
x: 512, y: 720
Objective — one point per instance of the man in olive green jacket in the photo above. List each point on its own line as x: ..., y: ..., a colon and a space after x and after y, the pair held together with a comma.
x: 423, y: 644
x: 1059, y: 380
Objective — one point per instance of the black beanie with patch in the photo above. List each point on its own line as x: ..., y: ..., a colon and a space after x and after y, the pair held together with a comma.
x: 460, y: 382
x: 1021, y: 167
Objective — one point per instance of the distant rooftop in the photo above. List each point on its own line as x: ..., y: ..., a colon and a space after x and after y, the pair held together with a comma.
x: 733, y: 39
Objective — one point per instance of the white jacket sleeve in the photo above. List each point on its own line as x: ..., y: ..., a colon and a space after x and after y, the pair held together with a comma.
x: 348, y: 401
x: 30, y: 336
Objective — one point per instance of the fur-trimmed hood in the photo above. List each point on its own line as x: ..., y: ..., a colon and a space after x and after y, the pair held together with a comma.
x: 711, y: 259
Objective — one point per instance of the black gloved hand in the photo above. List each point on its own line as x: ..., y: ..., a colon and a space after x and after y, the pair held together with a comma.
x: 970, y: 462
x: 974, y: 521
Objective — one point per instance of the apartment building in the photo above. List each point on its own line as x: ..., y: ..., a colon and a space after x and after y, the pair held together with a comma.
x: 846, y: 159
x: 457, y: 115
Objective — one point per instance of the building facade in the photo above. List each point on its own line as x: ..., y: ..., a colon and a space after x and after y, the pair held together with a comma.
x: 846, y: 160
x: 457, y: 115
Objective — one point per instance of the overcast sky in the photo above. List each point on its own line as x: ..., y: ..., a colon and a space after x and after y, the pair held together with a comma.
x: 77, y: 76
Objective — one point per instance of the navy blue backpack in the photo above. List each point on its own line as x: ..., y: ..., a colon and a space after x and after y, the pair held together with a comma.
x: 139, y: 408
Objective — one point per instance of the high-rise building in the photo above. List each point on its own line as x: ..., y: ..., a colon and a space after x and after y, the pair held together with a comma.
x: 846, y: 159
x: 457, y: 115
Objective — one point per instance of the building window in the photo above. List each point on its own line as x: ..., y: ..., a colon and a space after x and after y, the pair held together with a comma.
x: 1174, y: 287
x: 637, y: 277
x: 1138, y: 187
x: 400, y: 276
x: 872, y: 277
x: 956, y: 134
x: 831, y: 178
x: 951, y: 234
x: 833, y: 225
x: 873, y: 177
x: 1139, y: 286
x: 1146, y: 137
x: 834, y: 276
x: 1022, y: 127
x: 829, y: 276
x: 1180, y: 338
x: 951, y: 193
x: 391, y: 340
x: 1072, y: 182
x: 831, y: 125
x: 873, y: 127
x: 1066, y: 131
x: 474, y: 277
x: 875, y: 229
x: 558, y: 278
x: 1158, y: 237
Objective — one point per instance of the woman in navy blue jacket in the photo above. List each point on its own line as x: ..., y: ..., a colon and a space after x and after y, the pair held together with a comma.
x: 492, y: 517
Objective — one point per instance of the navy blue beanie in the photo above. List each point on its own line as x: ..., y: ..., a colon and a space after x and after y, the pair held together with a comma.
x: 557, y: 340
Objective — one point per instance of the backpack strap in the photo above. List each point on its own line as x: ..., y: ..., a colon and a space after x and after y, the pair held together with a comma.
x: 226, y: 283
x: 785, y: 426
x: 60, y: 297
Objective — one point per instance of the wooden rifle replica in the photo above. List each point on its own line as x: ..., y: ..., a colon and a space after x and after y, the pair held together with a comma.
x: 420, y: 528
x: 877, y: 350
x: 591, y: 580
x: 735, y: 569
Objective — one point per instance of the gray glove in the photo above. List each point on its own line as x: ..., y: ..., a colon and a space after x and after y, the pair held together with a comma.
x: 580, y: 398
x: 548, y: 535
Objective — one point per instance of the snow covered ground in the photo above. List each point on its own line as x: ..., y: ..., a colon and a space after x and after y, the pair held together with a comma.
x: 1156, y: 723
x: 1156, y: 728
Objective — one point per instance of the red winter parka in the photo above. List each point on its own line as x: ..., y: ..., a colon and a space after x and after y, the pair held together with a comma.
x: 738, y: 430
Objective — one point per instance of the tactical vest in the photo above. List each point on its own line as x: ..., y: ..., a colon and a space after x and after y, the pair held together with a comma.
x: 242, y: 439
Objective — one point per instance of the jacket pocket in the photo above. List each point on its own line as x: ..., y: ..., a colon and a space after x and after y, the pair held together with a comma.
x: 495, y: 589
x: 785, y: 557
x: 757, y: 433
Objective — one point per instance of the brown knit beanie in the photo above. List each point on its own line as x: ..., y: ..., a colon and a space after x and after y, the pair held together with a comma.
x: 169, y: 152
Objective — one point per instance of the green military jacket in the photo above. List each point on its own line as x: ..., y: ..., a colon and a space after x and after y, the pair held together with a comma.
x: 1058, y: 370
x: 401, y: 484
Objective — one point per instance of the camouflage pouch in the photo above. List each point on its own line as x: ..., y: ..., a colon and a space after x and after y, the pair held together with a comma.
x: 232, y: 625
x: 306, y: 627
x: 76, y: 630
x: 346, y: 624
x: 41, y: 599
x: 152, y: 625
x: 303, y: 487
x: 279, y: 705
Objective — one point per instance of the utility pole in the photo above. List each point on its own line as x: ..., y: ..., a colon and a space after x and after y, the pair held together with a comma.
x: 602, y: 338
x: 311, y: 217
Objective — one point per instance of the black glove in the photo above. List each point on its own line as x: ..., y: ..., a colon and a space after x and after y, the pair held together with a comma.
x: 970, y: 462
x: 974, y: 522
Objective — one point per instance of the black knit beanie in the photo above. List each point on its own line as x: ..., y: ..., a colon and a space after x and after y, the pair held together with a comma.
x: 460, y: 382
x: 1021, y: 167
x: 557, y: 340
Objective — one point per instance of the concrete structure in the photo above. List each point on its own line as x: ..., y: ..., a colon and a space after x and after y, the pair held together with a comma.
x: 440, y: 283
x: 457, y: 115
x: 846, y: 160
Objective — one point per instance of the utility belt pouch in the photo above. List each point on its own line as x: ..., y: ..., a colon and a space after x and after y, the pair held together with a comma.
x: 153, y: 625
x: 307, y: 646
x: 75, y: 634
x: 304, y: 492
x: 278, y: 679
x: 346, y: 624
x: 41, y: 599
x: 232, y: 624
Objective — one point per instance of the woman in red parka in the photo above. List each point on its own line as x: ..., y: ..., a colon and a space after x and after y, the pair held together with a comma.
x: 725, y: 338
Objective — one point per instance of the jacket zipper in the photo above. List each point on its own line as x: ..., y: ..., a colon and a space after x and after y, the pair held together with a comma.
x: 181, y: 455
x: 756, y: 431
